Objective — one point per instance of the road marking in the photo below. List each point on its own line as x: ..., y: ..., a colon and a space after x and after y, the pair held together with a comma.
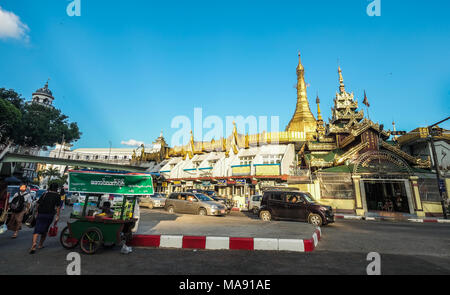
x: 171, y: 241
x: 315, y: 239
x: 217, y: 243
x: 296, y: 245
x: 265, y: 244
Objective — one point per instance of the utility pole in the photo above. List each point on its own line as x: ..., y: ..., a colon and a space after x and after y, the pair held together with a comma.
x: 62, y: 145
x: 109, y: 156
x: 436, y: 165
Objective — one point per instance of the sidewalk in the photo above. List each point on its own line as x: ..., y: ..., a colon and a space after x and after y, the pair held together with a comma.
x: 369, y: 218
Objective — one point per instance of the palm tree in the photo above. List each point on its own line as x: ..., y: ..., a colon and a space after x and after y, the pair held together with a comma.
x: 51, y: 172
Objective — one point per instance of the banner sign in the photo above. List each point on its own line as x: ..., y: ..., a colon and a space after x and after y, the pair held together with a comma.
x: 110, y: 183
x: 222, y: 182
x: 241, y: 181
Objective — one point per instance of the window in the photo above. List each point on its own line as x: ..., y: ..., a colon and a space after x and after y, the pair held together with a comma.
x: 276, y: 197
x: 294, y: 198
x: 308, y: 197
x: 174, y: 196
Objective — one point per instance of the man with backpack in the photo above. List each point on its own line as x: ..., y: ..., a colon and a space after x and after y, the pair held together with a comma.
x: 19, y: 204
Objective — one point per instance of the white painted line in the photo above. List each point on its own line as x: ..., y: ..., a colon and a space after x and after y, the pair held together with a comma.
x: 443, y: 220
x: 353, y: 217
x: 171, y: 241
x: 265, y: 244
x: 415, y: 220
x: 217, y: 243
x: 291, y: 245
x: 370, y: 218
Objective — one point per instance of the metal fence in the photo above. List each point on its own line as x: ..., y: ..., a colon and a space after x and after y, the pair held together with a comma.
x: 428, y: 188
x: 336, y: 185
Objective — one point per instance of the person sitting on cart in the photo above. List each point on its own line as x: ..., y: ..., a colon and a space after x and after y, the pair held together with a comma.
x: 106, y: 210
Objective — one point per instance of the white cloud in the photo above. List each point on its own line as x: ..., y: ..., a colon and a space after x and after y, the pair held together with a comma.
x: 132, y: 142
x: 12, y: 27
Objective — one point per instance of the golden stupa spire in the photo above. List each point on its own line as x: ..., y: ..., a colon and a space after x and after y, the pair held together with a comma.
x: 319, y: 114
x: 303, y: 119
x: 341, y: 81
x: 320, y: 123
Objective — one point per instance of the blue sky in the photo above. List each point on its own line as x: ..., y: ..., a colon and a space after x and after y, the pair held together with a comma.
x: 124, y: 69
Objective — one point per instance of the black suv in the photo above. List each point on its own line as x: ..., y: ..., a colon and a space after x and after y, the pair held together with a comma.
x: 294, y: 205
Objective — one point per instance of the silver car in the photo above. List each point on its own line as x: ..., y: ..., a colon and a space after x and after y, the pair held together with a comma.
x: 194, y: 203
x: 254, y: 203
x: 75, y: 198
x: 157, y: 200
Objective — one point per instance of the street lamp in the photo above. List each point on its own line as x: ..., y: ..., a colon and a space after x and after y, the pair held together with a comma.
x: 436, y: 165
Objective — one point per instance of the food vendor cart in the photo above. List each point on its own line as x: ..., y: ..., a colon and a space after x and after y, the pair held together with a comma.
x: 87, y: 226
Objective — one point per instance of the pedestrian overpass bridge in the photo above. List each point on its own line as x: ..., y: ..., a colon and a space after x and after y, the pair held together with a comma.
x: 8, y: 162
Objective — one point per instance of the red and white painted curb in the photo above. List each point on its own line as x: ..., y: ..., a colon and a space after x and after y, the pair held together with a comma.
x: 430, y: 220
x: 227, y: 243
x: 421, y: 220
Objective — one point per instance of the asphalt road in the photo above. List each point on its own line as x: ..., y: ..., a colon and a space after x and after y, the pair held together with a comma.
x: 236, y: 224
x: 405, y: 248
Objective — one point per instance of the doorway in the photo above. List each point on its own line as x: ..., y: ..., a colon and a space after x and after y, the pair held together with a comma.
x: 385, y: 195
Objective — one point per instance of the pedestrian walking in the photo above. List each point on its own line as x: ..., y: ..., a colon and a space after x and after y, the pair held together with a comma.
x: 62, y: 193
x: 3, y: 201
x: 19, y: 205
x: 48, y: 209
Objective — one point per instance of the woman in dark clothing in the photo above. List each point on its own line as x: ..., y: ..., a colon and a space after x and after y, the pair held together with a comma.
x: 47, y: 206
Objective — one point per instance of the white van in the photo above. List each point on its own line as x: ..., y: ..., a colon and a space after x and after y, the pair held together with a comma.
x: 254, y: 203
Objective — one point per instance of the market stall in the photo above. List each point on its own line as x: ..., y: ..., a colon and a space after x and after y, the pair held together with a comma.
x: 99, y: 220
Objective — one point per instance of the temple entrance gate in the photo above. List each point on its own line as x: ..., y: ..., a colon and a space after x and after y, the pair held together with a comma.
x: 384, y: 183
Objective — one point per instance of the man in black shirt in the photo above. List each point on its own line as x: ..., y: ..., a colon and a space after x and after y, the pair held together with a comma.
x: 47, y: 206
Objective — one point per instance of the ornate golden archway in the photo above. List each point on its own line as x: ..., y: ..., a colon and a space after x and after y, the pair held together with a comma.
x: 381, y: 162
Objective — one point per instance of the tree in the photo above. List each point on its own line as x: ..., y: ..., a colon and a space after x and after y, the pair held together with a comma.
x: 13, y: 97
x: 61, y: 181
x: 10, y: 117
x: 38, y: 125
x: 51, y: 172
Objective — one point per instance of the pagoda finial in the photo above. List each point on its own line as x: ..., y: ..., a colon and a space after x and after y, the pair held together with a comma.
x: 320, y: 127
x: 394, y: 129
x: 300, y: 65
x: 319, y: 115
x: 341, y: 81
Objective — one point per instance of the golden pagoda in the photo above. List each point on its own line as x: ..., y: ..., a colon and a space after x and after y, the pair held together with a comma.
x: 303, y: 119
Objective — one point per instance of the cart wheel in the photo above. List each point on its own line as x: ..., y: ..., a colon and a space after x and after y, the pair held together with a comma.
x: 66, y: 240
x: 91, y: 240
